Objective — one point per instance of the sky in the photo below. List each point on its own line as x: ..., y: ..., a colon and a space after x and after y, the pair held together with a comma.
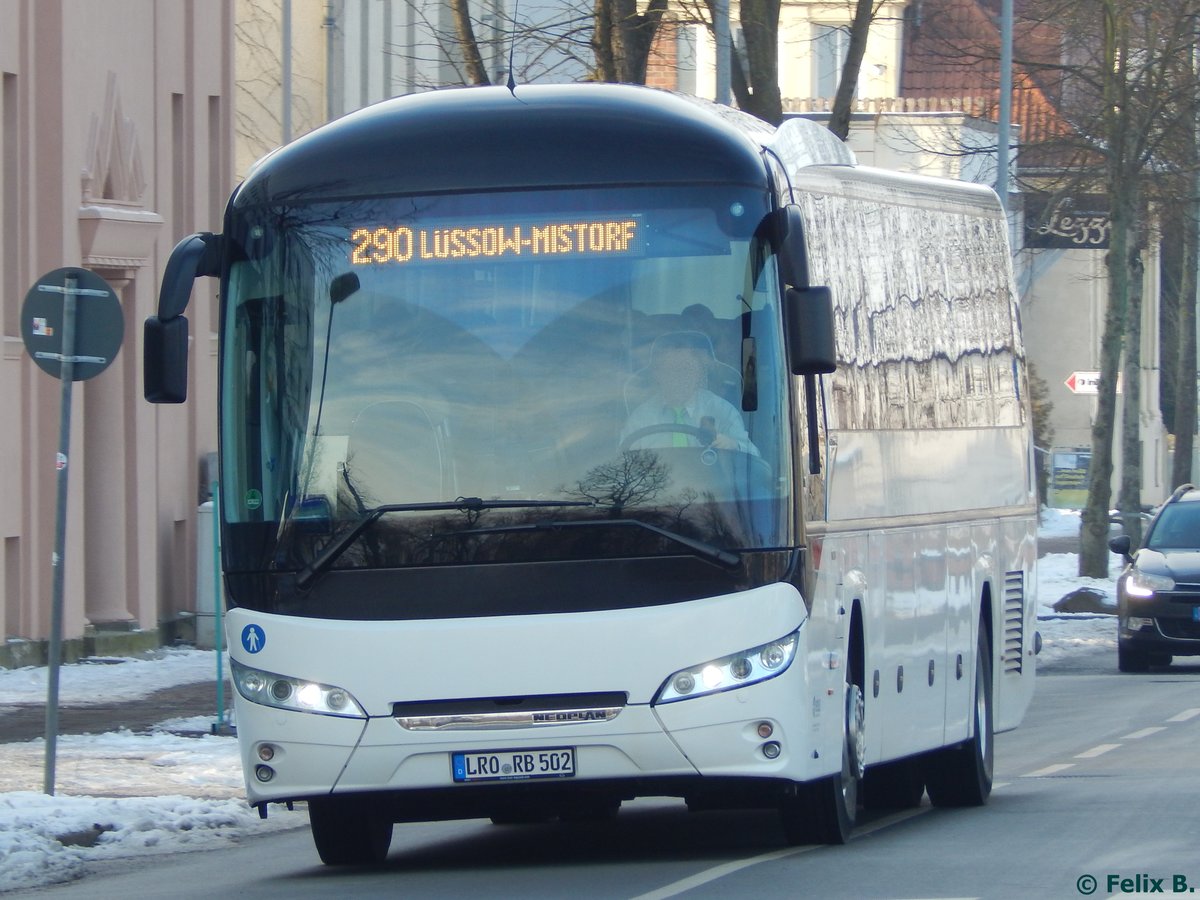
x: 121, y: 794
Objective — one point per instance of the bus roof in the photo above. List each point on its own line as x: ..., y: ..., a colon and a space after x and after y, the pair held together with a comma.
x: 488, y: 138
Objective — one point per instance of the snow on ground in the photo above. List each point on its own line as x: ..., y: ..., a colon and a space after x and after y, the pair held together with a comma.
x: 123, y: 794
x: 96, y: 682
x: 1067, y: 633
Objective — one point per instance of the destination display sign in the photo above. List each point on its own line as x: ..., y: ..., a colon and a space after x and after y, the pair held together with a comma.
x: 391, y: 245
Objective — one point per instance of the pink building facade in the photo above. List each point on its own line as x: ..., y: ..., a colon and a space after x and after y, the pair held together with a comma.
x: 116, y: 132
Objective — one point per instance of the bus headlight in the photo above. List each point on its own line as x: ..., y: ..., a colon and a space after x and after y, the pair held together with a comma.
x: 283, y: 692
x: 733, y: 671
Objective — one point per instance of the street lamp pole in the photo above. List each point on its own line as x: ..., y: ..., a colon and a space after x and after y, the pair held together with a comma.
x: 1004, y: 125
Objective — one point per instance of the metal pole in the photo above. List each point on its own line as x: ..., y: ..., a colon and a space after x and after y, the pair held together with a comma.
x: 387, y: 50
x: 721, y: 36
x: 67, y: 377
x: 218, y: 635
x: 1004, y: 125
x: 331, y: 23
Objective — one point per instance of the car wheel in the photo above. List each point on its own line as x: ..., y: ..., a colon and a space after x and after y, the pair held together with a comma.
x: 1130, y: 660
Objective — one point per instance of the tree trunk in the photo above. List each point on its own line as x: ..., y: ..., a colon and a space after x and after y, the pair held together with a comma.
x: 756, y: 91
x: 760, y: 29
x: 1185, y: 377
x: 839, y: 116
x: 1093, y: 537
x: 621, y: 39
x: 468, y: 46
x: 1129, y: 498
x: 602, y: 41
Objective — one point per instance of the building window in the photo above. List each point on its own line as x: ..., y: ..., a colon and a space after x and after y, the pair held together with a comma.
x: 830, y: 45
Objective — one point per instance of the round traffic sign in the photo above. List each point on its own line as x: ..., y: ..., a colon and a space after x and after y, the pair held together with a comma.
x: 99, y: 322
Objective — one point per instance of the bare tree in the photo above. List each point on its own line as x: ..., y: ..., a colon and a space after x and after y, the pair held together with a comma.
x: 622, y: 38
x: 635, y: 477
x: 865, y: 12
x: 469, y: 47
x: 1115, y: 79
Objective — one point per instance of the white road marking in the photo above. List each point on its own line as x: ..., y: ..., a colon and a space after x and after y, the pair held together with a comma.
x: 1145, y: 732
x: 709, y: 875
x: 1096, y: 751
x: 1049, y: 770
x: 1185, y: 715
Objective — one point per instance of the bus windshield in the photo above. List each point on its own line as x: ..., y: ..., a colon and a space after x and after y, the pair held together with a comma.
x: 458, y: 378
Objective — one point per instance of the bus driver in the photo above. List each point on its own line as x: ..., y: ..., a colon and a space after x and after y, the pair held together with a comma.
x: 679, y: 365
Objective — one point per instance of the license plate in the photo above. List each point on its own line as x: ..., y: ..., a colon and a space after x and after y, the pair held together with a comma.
x: 513, y: 765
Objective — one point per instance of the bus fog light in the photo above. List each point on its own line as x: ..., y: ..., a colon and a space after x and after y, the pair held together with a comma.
x: 281, y: 690
x: 684, y: 683
x: 266, y: 752
x: 771, y: 749
x: 264, y: 773
x: 741, y: 668
x: 765, y: 729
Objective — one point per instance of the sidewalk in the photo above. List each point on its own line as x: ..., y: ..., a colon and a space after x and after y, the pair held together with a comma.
x: 27, y: 721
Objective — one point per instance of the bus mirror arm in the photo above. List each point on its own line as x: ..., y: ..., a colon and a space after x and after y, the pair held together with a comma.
x: 196, y: 255
x: 165, y: 343
x: 810, y: 414
x: 784, y: 228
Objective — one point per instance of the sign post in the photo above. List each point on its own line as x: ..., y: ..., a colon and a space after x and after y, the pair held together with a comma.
x: 71, y: 343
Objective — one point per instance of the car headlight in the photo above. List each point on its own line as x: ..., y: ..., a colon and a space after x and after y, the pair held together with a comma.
x: 1144, y: 584
x: 733, y: 671
x: 294, y: 694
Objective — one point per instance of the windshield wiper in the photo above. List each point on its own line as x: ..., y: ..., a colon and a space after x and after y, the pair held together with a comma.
x: 466, y: 504
x: 702, y: 549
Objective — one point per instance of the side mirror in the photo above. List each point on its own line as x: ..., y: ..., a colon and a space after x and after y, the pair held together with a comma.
x: 1121, y: 544
x: 164, y: 359
x: 165, y: 336
x: 809, y: 322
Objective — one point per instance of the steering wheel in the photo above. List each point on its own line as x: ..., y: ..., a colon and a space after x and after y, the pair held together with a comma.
x: 701, y: 434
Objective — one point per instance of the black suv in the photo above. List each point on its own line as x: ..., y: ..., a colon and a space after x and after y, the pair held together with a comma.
x: 1158, y: 593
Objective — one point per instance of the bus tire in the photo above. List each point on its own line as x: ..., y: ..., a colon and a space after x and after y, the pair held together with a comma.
x: 825, y: 811
x: 962, y: 775
x: 348, y: 831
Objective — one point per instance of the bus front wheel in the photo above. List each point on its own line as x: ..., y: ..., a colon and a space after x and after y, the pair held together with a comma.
x: 348, y: 831
x: 825, y: 811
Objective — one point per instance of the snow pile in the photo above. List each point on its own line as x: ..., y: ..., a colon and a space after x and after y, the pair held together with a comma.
x: 1066, y: 633
x: 52, y: 839
x: 119, y: 794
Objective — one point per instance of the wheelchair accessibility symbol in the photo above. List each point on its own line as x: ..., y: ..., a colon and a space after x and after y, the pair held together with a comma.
x: 253, y: 638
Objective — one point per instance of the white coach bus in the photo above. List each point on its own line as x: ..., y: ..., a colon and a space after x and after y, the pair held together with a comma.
x: 583, y: 443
